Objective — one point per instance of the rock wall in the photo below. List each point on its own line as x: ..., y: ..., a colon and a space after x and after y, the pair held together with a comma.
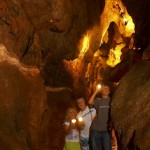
x: 45, y: 33
x: 52, y: 131
x: 23, y: 102
x: 130, y: 108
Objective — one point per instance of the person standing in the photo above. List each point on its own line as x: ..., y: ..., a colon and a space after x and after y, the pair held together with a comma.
x: 85, y: 118
x: 72, y: 132
x: 99, y: 129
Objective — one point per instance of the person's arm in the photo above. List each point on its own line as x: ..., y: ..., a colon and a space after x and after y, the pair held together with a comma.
x: 93, y: 113
x: 67, y: 128
x: 92, y: 98
x: 80, y: 125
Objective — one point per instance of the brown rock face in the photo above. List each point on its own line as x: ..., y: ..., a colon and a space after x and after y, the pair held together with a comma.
x: 18, y: 33
x: 44, y: 33
x: 62, y: 38
x: 130, y: 108
x: 23, y: 101
x: 52, y: 132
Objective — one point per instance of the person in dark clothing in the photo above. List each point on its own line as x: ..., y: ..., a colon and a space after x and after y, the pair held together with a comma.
x: 99, y: 129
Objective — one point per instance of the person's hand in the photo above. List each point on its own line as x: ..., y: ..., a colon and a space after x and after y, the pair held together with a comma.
x: 73, y: 123
x: 110, y: 126
x: 80, y: 125
x: 98, y: 88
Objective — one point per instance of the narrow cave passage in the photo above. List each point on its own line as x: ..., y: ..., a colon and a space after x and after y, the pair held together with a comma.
x: 53, y: 52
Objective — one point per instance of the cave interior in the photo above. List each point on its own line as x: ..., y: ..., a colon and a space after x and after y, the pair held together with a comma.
x: 52, y: 52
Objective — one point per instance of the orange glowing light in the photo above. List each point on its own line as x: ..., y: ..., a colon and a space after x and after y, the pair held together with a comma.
x: 99, y: 86
x: 114, y: 55
x: 80, y: 119
x: 85, y: 45
x: 97, y: 53
x: 130, y: 26
x: 73, y: 120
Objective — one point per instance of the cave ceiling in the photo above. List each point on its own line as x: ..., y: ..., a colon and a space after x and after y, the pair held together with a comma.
x: 76, y: 43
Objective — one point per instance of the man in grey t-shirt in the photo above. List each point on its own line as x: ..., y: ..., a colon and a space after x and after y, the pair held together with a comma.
x: 99, y: 133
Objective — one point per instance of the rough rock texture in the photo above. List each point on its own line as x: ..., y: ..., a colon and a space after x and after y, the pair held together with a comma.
x: 139, y: 10
x: 50, y: 35
x: 131, y: 108
x: 52, y: 132
x: 18, y: 34
x: 23, y: 101
x: 44, y: 33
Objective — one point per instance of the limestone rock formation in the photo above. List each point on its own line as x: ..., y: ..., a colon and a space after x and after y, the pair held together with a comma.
x: 23, y: 102
x: 62, y: 44
x: 52, y: 131
x: 131, y: 108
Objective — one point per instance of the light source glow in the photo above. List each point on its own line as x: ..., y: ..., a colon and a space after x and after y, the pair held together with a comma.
x: 80, y: 119
x: 99, y: 86
x: 85, y: 45
x: 73, y: 120
x: 114, y: 55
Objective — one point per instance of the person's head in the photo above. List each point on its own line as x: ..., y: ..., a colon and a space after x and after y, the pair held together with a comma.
x: 105, y: 91
x: 71, y: 113
x: 81, y: 103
